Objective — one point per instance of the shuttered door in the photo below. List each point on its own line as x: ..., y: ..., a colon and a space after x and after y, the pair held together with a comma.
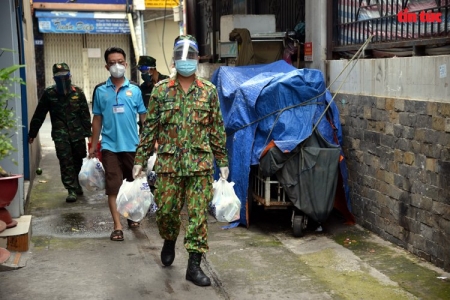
x: 68, y: 48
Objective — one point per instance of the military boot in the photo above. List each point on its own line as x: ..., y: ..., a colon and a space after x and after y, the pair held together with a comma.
x: 194, y: 273
x: 72, y: 197
x: 168, y: 252
x: 79, y: 191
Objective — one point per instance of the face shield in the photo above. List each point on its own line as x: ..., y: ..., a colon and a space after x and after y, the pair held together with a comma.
x: 184, y: 50
x: 63, y: 82
x: 145, y: 69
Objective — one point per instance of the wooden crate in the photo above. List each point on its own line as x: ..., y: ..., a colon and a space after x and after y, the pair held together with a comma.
x: 17, y: 238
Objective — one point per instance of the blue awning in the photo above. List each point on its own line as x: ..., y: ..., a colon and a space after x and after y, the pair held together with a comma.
x: 82, y: 22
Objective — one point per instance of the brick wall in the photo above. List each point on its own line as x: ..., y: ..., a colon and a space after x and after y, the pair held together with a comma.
x: 398, y: 155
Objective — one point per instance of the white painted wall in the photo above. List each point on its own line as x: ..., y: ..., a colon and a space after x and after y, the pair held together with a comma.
x: 159, y: 37
x: 419, y: 78
x: 316, y: 32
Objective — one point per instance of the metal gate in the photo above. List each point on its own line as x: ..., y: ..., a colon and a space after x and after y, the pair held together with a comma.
x: 84, y: 55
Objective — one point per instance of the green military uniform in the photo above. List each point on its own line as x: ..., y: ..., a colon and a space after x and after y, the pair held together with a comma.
x: 70, y: 118
x: 190, y: 133
x: 147, y: 87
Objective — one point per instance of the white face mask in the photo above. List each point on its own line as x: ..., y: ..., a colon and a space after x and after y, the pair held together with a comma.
x: 117, y: 70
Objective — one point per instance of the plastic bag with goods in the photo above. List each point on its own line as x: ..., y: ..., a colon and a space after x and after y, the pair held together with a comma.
x: 225, y: 205
x: 151, y: 175
x: 92, y: 175
x: 134, y: 199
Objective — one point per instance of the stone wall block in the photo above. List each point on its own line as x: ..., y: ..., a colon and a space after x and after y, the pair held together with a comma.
x: 403, y: 144
x: 438, y: 123
x: 432, y: 108
x: 367, y: 114
x: 426, y: 231
x: 420, y: 107
x: 431, y: 164
x: 390, y: 104
x: 408, y: 158
x: 388, y: 141
x: 444, y: 109
x: 410, y: 225
x: 380, y: 103
x: 389, y: 128
x: 407, y: 119
x: 444, y: 192
x: 428, y: 218
x: 398, y: 130
x: 408, y: 132
x: 418, y: 198
x: 399, y: 105
x: 443, y: 138
x: 415, y: 146
x: 393, y: 117
x: 394, y: 192
x: 419, y: 134
x: 447, y: 125
x: 442, y: 210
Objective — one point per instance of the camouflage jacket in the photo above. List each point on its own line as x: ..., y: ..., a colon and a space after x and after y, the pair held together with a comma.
x: 69, y: 114
x: 188, y: 127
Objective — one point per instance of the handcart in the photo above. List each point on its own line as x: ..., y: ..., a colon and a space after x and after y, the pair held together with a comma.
x: 268, y: 192
x: 305, y: 179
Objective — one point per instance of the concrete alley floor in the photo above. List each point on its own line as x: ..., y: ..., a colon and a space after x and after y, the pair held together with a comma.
x: 71, y: 257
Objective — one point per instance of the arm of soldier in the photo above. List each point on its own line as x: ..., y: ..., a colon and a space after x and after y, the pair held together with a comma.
x: 38, y: 117
x: 85, y: 115
x: 217, y: 131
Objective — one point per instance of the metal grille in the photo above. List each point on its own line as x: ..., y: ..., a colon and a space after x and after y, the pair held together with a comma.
x: 68, y: 48
x: 356, y: 20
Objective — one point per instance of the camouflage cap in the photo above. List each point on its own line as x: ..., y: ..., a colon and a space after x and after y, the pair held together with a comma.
x: 147, y: 61
x: 60, y: 69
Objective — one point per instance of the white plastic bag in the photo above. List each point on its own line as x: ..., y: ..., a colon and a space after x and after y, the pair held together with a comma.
x: 134, y: 199
x: 151, y: 162
x: 225, y: 204
x: 92, y: 175
x: 151, y: 175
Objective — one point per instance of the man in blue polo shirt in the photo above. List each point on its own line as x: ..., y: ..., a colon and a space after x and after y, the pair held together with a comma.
x: 116, y: 104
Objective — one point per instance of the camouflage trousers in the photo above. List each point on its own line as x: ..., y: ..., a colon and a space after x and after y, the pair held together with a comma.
x: 170, y: 195
x: 70, y: 156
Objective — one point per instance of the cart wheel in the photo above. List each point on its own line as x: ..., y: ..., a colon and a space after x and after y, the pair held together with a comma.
x: 297, y: 226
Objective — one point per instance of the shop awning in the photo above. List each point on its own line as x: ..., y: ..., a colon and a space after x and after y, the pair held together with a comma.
x: 82, y: 22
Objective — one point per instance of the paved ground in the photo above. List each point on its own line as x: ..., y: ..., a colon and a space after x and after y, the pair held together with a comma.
x: 71, y: 257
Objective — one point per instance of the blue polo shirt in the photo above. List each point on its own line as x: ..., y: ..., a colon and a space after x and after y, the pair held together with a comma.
x: 119, y: 114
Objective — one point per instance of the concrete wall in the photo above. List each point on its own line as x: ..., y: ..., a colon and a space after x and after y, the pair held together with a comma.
x: 159, y: 39
x: 34, y: 150
x: 395, y: 115
x: 421, y: 78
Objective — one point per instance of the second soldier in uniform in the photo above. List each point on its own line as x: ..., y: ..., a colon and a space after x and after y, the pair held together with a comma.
x: 71, y: 124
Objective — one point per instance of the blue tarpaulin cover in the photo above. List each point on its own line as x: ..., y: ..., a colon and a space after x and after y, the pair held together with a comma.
x: 272, y: 102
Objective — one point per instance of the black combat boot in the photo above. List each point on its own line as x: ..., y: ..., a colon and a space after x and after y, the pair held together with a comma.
x: 194, y: 273
x: 168, y: 253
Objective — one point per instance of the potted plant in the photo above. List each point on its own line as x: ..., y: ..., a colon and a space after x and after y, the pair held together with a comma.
x: 8, y: 124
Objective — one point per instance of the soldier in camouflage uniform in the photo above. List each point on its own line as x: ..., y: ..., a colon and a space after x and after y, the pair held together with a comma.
x: 71, y: 124
x: 150, y: 76
x: 185, y: 120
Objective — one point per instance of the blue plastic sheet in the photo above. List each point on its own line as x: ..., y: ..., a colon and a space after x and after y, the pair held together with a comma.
x: 272, y: 102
